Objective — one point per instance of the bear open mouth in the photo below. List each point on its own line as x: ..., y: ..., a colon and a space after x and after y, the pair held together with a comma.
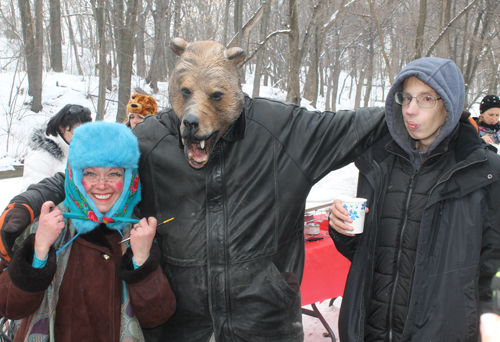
x: 198, y: 151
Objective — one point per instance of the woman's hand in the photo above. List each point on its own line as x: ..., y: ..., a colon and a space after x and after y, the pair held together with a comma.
x: 50, y: 225
x: 488, y: 139
x: 141, y: 239
x: 337, y: 215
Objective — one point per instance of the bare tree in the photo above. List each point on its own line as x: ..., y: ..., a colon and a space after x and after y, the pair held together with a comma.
x: 260, y: 61
x: 55, y: 36
x: 127, y: 35
x: 139, y: 40
x: 293, y: 90
x: 73, y: 41
x: 419, y: 38
x: 99, y: 9
x: 33, y: 41
x: 157, y: 69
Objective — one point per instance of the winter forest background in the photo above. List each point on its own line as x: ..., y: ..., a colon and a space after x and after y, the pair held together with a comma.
x: 314, y: 52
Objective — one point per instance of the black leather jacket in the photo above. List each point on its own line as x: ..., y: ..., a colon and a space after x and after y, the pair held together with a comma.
x: 234, y: 254
x: 458, y: 249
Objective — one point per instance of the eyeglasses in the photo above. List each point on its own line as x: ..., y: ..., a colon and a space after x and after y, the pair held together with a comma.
x: 423, y: 100
x: 110, y: 178
x: 77, y: 110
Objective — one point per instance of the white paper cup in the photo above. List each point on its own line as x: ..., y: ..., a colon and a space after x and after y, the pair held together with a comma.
x: 356, y: 209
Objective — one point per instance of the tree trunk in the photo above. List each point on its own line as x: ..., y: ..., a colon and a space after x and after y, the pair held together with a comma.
x: 336, y: 73
x: 260, y: 60
x: 445, y: 19
x: 73, y: 42
x: 226, y: 22
x: 139, y: 40
x: 100, y: 16
x: 55, y: 36
x: 369, y: 75
x: 118, y: 22
x: 359, y: 88
x: 126, y: 58
x: 311, y: 84
x: 419, y: 38
x: 157, y: 70
x: 382, y: 44
x: 29, y: 41
x: 474, y: 62
x: 293, y: 88
x: 328, y: 83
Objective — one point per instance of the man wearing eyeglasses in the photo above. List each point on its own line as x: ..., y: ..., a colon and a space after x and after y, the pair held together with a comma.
x: 422, y: 268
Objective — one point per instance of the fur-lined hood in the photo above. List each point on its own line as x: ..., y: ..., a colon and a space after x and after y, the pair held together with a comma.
x: 55, y: 146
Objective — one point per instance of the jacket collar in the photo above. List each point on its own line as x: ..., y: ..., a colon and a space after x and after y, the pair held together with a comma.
x: 469, y: 153
x: 236, y: 131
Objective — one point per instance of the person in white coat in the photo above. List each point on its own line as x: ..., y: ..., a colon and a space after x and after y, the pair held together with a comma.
x: 49, y: 146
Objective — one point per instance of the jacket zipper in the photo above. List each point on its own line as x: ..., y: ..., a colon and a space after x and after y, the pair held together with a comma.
x: 398, y: 262
x: 434, y: 225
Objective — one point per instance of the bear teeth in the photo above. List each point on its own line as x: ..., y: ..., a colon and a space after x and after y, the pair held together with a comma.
x: 202, y: 144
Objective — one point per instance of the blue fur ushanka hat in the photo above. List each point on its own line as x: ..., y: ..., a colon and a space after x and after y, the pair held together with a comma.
x: 101, y: 144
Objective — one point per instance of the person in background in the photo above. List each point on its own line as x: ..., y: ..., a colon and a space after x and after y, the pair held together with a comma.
x: 93, y: 290
x: 50, y: 144
x: 422, y: 268
x: 139, y: 106
x: 488, y: 121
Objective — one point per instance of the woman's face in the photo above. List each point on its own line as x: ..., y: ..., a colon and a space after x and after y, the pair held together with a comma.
x: 103, y: 185
x: 135, y: 119
x: 491, y: 116
x: 67, y: 132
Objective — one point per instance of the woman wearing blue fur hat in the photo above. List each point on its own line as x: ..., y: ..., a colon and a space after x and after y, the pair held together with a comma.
x: 422, y: 268
x: 69, y: 279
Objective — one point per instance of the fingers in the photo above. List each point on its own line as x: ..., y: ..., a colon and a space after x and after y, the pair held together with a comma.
x: 50, y: 225
x: 144, y: 228
x: 152, y: 222
x: 337, y: 217
x: 488, y: 139
x: 141, y: 239
x: 46, y: 208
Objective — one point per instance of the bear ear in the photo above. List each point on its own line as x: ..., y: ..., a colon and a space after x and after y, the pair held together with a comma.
x: 235, y: 55
x: 178, y: 45
x: 134, y: 95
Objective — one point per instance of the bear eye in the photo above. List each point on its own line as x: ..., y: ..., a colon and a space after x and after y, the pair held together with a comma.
x: 217, y: 96
x: 185, y: 92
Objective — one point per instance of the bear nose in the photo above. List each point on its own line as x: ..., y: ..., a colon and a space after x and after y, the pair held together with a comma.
x: 192, y: 124
x: 133, y: 105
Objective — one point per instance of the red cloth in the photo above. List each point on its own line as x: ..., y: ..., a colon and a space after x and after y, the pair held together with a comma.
x: 325, y: 271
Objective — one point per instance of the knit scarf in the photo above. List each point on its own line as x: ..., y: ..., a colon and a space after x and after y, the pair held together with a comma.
x: 84, y: 213
x: 41, y: 328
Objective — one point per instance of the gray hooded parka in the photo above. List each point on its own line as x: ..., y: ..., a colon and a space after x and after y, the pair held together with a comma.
x: 431, y: 242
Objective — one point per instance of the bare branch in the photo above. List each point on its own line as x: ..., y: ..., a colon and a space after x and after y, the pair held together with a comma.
x: 447, y: 27
x: 261, y: 44
x: 249, y: 25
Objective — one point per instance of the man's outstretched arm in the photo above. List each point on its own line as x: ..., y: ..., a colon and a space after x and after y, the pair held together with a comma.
x: 25, y: 207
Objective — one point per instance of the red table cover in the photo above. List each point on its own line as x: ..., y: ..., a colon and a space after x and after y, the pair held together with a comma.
x: 325, y: 270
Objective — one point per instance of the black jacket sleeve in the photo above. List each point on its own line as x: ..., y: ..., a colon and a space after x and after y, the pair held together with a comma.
x: 49, y: 189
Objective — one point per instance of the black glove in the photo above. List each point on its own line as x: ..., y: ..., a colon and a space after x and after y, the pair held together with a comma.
x: 13, y: 222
